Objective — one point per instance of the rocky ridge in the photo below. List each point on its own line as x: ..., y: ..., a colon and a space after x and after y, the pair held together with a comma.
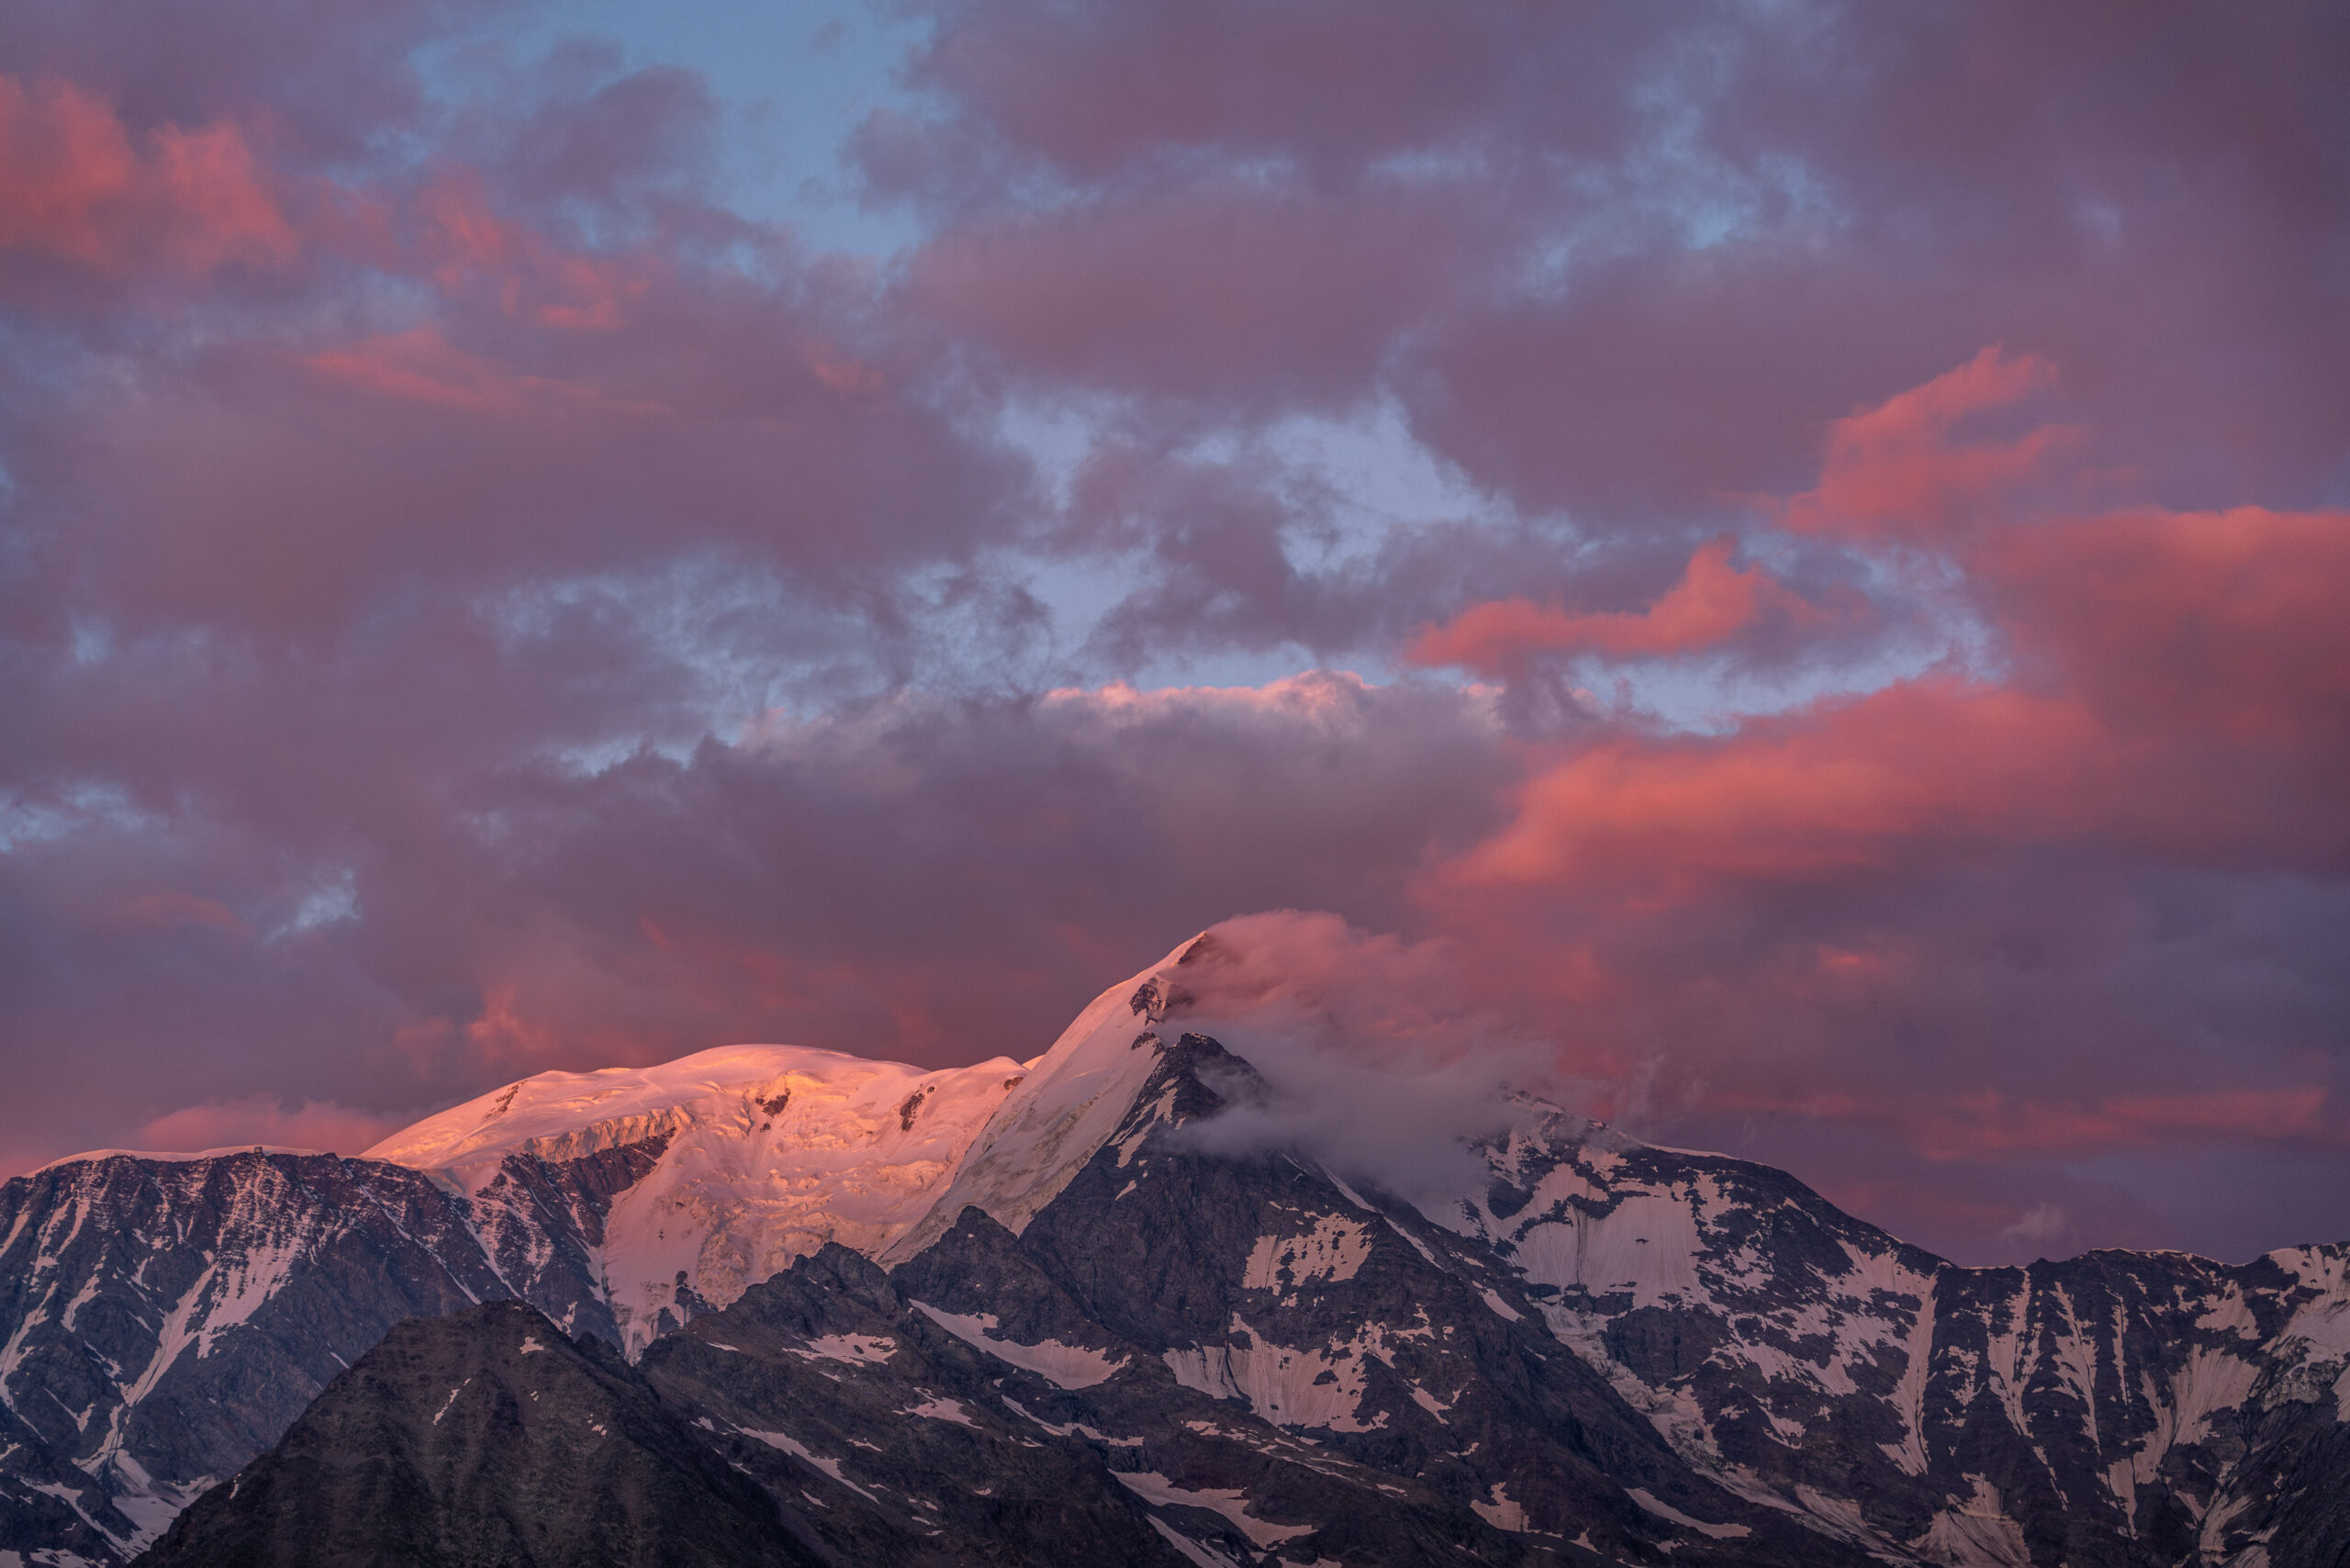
x: 2117, y: 1407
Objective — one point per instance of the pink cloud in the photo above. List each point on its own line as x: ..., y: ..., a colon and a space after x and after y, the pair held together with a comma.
x: 76, y: 186
x: 311, y: 1124
x: 2158, y: 643
x: 172, y: 908
x: 1923, y: 767
x: 1995, y: 1124
x: 2224, y: 621
x: 1907, y: 468
x: 1712, y: 602
x: 469, y: 246
x: 422, y: 366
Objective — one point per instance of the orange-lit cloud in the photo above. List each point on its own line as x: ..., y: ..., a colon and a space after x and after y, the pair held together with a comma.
x: 2148, y: 645
x: 1910, y: 468
x: 2230, y: 621
x: 1919, y: 768
x: 1712, y: 602
x: 421, y: 366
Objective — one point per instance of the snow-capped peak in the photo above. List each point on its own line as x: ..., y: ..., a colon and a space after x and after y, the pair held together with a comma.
x: 761, y: 1154
x: 703, y: 1176
x: 1071, y: 1100
x: 764, y: 1154
x: 568, y: 1115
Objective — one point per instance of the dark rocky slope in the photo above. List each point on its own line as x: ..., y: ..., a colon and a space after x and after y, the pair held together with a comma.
x: 163, y: 1321
x: 486, y: 1440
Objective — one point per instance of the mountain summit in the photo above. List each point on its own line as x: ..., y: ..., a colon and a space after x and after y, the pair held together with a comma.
x: 1032, y: 1312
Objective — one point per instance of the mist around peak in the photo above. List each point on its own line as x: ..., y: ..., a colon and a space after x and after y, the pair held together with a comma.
x: 1372, y: 1058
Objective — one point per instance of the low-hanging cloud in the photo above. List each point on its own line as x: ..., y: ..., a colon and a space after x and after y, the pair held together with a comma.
x: 1379, y: 1060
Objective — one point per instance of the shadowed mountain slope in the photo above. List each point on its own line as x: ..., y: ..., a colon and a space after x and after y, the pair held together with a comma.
x: 486, y: 1440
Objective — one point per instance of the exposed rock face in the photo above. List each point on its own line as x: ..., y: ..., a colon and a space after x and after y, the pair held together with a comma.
x: 166, y: 1320
x: 2118, y: 1407
x: 487, y: 1438
x: 891, y: 1430
x: 1281, y: 1367
x: 1100, y: 1331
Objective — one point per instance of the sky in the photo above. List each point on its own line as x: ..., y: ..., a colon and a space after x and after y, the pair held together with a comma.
x: 1781, y: 569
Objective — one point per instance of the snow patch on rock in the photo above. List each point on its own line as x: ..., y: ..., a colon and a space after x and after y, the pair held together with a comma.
x: 1664, y: 1510
x: 1064, y: 1366
x: 1502, y: 1512
x: 1976, y: 1531
x: 1231, y: 1502
x: 798, y: 1449
x: 945, y: 1409
x: 1312, y: 1389
x: 1334, y: 1249
x: 851, y: 1348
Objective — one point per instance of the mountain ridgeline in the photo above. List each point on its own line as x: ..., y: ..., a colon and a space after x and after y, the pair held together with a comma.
x: 775, y: 1306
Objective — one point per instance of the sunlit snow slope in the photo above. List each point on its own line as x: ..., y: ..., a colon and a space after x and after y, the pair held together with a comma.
x: 762, y: 1154
x: 1071, y: 1100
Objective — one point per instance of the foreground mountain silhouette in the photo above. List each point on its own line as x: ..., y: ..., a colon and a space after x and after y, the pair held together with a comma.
x: 486, y: 1437
x: 1078, y: 1324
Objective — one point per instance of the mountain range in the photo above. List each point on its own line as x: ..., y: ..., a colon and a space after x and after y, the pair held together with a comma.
x: 767, y: 1304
